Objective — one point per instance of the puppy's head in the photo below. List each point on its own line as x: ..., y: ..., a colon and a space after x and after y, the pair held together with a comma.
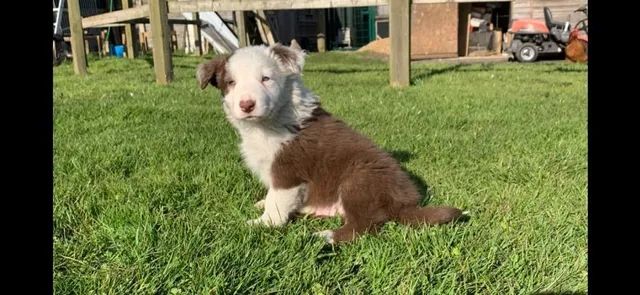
x: 254, y: 81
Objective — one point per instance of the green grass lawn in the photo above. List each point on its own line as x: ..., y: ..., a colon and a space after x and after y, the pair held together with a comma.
x: 151, y: 196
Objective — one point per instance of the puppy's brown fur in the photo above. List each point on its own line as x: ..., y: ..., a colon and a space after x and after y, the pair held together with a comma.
x: 338, y: 163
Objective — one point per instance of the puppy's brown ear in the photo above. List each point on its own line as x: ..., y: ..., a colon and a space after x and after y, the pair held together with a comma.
x: 212, y: 72
x: 290, y: 59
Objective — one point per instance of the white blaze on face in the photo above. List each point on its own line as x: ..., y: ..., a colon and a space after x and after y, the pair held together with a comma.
x: 258, y: 82
x: 255, y: 83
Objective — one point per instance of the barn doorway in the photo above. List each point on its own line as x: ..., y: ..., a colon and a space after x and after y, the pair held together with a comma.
x: 481, y: 26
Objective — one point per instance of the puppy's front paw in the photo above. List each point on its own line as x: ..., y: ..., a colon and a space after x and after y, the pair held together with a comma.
x: 256, y: 222
x: 259, y: 204
x: 266, y: 221
x: 326, y: 235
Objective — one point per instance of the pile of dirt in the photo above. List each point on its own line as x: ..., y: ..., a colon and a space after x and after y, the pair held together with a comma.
x: 380, y: 46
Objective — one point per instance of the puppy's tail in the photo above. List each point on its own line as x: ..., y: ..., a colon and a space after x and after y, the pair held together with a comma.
x: 430, y: 215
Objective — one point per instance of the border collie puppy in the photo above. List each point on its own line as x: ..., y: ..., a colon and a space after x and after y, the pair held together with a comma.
x: 311, y: 162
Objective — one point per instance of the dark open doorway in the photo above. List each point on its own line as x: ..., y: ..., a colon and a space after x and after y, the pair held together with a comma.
x: 480, y: 25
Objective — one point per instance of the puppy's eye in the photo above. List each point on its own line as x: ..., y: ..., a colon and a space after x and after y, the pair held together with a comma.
x: 231, y: 82
x: 265, y: 78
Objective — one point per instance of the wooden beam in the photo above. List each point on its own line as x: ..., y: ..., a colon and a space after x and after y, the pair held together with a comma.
x: 110, y: 25
x: 193, y: 35
x: 77, y: 38
x: 455, y: 1
x: 129, y: 32
x: 174, y: 39
x: 142, y: 38
x: 497, y: 42
x: 265, y: 26
x: 146, y: 21
x: 86, y: 46
x: 105, y: 43
x: 241, y: 30
x: 141, y: 28
x: 240, y: 5
x: 161, y: 41
x: 99, y: 41
x: 322, y: 32
x: 244, y: 5
x: 468, y: 29
x: 116, y: 16
x: 198, y: 35
x: 184, y: 21
x: 400, y: 38
x: 260, y: 25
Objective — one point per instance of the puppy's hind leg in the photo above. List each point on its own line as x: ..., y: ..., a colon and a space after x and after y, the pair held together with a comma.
x: 346, y: 233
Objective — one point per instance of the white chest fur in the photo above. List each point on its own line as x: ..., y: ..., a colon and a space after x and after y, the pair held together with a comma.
x: 259, y: 147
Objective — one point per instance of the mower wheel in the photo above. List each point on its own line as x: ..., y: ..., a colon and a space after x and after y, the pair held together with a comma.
x: 527, y: 53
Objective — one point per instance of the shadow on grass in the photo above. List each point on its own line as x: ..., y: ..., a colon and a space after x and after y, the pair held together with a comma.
x: 434, y: 72
x: 423, y: 187
x: 148, y: 58
x: 186, y: 67
x: 559, y: 293
x: 567, y: 70
x: 345, y: 71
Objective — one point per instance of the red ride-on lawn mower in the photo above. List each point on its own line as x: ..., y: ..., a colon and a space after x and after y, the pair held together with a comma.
x: 531, y: 38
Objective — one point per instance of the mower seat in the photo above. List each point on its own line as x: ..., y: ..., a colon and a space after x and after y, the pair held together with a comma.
x: 559, y: 30
x: 548, y: 19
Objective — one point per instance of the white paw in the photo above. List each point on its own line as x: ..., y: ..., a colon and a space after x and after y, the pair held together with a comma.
x: 266, y: 221
x: 259, y: 204
x: 326, y: 235
x: 256, y: 222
